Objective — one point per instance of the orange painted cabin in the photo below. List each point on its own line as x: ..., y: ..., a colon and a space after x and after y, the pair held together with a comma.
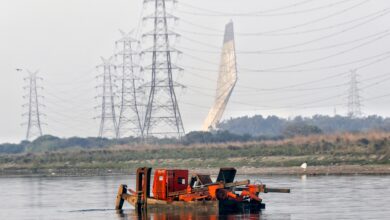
x: 168, y: 181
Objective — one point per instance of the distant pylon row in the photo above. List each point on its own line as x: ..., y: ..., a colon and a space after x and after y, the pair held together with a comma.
x: 123, y: 90
x: 163, y: 117
x: 33, y: 105
x: 119, y: 105
x: 129, y: 122
x: 354, y: 105
x: 108, y: 123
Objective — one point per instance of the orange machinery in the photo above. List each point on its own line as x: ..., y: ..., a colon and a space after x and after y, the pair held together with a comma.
x: 167, y: 182
x: 174, y: 188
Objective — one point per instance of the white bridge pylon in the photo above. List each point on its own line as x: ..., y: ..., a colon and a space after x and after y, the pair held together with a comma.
x: 227, y: 79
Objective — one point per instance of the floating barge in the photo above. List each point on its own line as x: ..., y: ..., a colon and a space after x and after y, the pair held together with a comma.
x: 173, y: 189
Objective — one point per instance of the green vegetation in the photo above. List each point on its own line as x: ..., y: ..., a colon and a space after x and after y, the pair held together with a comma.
x: 48, y: 143
x: 300, y: 129
x: 275, y: 126
x: 345, y: 149
x: 243, y: 129
x: 246, y: 142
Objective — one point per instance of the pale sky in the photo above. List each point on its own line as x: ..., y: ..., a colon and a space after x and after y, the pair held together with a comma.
x: 308, y: 48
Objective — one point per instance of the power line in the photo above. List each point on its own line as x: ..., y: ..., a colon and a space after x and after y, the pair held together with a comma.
x: 321, y: 80
x: 85, y: 77
x: 72, y: 118
x: 73, y: 128
x: 377, y: 57
x: 60, y: 106
x: 296, y: 44
x: 272, y: 107
x: 207, y: 12
x: 70, y: 100
x: 376, y: 83
x: 376, y: 97
x: 299, y: 89
x: 256, y: 12
x: 253, y: 90
x: 275, y: 69
x: 275, y: 32
x: 379, y: 35
x: 312, y: 91
x: 280, y: 69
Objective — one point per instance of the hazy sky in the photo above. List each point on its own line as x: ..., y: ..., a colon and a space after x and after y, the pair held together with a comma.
x: 304, y: 52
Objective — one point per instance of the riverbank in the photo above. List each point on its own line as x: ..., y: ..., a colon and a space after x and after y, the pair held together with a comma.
x: 337, y: 154
x: 311, y: 170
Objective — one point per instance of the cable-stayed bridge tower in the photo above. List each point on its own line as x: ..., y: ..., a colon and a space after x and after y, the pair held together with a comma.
x: 129, y: 119
x: 162, y: 116
x: 227, y: 79
x: 108, y: 124
x: 33, y: 114
x: 354, y: 105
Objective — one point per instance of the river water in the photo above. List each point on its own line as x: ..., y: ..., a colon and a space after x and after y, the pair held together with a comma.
x: 312, y: 197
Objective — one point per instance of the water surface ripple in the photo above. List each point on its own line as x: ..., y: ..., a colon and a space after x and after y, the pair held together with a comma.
x: 312, y: 197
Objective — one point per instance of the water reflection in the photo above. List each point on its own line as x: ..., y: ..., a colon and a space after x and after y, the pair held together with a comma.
x: 189, y: 215
x: 183, y: 214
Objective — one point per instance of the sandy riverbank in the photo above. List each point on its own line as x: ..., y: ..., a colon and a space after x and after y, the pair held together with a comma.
x: 311, y: 170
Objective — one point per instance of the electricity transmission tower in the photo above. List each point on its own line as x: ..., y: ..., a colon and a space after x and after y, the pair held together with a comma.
x: 108, y: 125
x: 162, y: 116
x: 34, y: 128
x: 129, y: 121
x: 354, y: 106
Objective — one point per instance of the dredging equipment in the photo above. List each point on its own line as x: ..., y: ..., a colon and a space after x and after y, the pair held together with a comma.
x: 173, y: 189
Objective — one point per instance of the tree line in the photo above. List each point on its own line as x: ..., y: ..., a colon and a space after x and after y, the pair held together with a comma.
x: 242, y: 129
x: 276, y: 126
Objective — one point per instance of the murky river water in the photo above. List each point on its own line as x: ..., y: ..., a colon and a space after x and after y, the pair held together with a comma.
x: 317, y: 197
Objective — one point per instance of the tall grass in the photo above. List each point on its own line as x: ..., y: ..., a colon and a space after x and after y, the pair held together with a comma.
x: 346, y: 148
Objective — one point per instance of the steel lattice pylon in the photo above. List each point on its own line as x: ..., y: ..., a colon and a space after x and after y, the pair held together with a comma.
x: 162, y: 116
x: 108, y: 125
x: 354, y: 105
x: 129, y: 121
x: 34, y: 128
